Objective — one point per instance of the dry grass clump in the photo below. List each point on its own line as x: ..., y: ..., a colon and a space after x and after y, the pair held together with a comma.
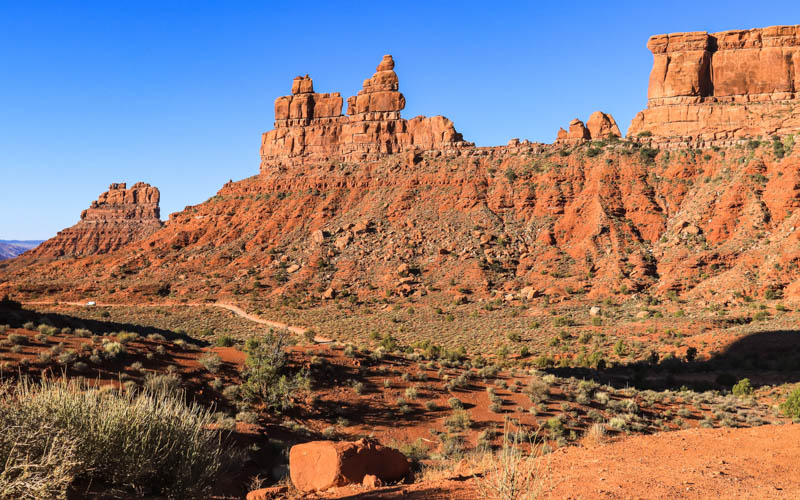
x: 54, y: 433
x: 512, y: 473
x: 594, y: 436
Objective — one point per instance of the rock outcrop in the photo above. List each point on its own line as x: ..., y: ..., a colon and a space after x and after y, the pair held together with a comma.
x: 722, y: 87
x: 600, y: 126
x: 320, y: 465
x: 311, y: 129
x: 119, y: 216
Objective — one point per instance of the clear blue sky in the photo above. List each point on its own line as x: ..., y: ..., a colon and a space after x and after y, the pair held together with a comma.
x: 177, y: 94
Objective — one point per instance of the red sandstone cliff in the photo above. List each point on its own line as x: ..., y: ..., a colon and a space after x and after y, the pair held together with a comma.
x: 120, y: 216
x: 352, y: 202
x: 720, y: 87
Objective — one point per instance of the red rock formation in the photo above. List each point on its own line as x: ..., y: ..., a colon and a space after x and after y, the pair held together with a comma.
x: 118, y: 217
x: 602, y: 126
x: 577, y: 133
x: 721, y: 87
x: 310, y: 127
x: 599, y: 126
x: 320, y: 465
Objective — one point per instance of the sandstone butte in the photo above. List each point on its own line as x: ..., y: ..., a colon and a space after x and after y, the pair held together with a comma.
x: 118, y: 217
x: 717, y: 88
x: 344, y: 201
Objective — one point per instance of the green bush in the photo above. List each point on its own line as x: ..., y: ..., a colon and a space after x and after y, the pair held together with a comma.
x: 225, y: 341
x: 791, y: 407
x: 266, y: 376
x: 54, y: 433
x: 742, y: 388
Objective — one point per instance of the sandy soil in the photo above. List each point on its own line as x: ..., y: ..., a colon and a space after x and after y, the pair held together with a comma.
x: 761, y: 462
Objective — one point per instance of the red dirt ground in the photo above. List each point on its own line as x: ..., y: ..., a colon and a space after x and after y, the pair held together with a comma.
x: 750, y: 463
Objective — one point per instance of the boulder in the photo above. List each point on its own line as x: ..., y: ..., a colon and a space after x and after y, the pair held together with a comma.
x: 318, y: 236
x: 320, y: 465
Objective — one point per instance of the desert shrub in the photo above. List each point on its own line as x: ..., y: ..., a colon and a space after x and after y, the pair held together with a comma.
x: 211, y: 362
x: 458, y: 420
x: 415, y: 451
x: 83, y: 332
x: 537, y: 390
x: 618, y: 423
x: 18, y: 339
x: 248, y: 417
x: 742, y: 388
x: 555, y: 426
x: 46, y: 329
x: 113, y: 350
x: 67, y: 357
x: 791, y: 407
x: 225, y: 341
x: 455, y: 403
x: 158, y: 383
x: 266, y: 375
x: 515, y: 337
x: 53, y: 433
x: 648, y: 155
x: 125, y: 337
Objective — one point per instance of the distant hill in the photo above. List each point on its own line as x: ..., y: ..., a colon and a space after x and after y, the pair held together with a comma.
x: 11, y: 248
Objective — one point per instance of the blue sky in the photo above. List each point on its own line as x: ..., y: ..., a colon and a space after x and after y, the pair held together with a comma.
x: 177, y: 94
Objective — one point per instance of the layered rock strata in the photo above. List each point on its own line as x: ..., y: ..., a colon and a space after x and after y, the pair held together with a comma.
x: 119, y: 216
x: 310, y: 127
x: 722, y: 87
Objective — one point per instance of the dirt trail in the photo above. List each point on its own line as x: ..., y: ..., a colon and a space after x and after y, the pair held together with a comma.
x: 299, y: 330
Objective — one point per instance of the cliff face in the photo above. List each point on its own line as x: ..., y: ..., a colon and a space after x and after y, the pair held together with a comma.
x: 310, y: 127
x: 521, y: 220
x: 119, y: 216
x: 720, y: 87
x: 353, y: 203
